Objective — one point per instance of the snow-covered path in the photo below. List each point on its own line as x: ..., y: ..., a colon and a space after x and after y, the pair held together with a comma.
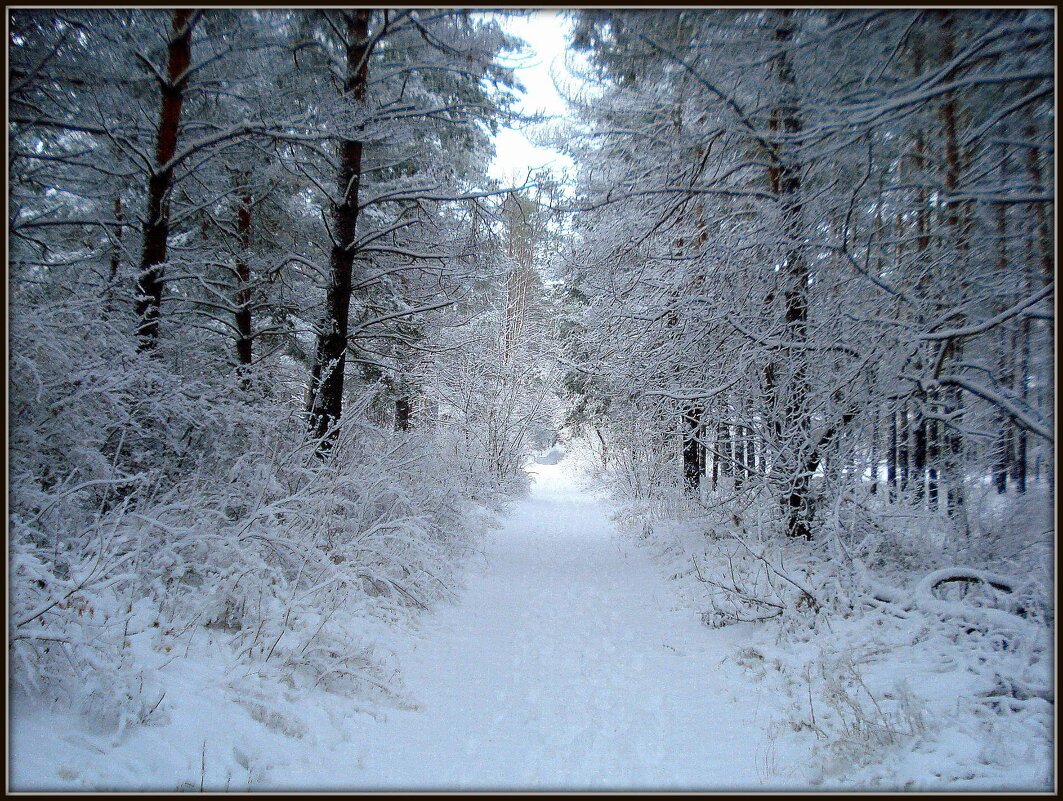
x: 565, y: 666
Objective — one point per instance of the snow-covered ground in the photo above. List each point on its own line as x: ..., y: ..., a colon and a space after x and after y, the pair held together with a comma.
x: 566, y: 664
x: 571, y: 661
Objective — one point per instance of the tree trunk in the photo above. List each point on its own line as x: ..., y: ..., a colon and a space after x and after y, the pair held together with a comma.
x: 740, y: 455
x: 402, y: 414
x: 955, y: 219
x: 918, y: 476
x: 116, y: 250
x: 156, y: 232
x: 605, y: 449
x: 1020, y: 443
x: 716, y: 456
x: 326, y: 380
x: 748, y: 451
x: 873, y: 451
x: 693, y: 459
x: 1046, y: 251
x: 116, y: 258
x: 243, y: 292
x: 933, y: 458
x: 1003, y: 454
x: 1044, y: 227
x: 904, y: 436
x: 919, y: 424
x: 891, y: 455
x: 787, y: 186
x: 724, y: 450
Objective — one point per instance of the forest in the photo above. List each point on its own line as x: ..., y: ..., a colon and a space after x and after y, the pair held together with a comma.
x: 328, y: 445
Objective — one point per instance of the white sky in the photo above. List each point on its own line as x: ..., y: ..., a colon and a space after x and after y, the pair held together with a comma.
x: 546, y: 33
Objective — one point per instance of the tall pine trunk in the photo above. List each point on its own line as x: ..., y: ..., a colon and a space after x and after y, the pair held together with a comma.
x: 243, y: 290
x: 904, y: 438
x: 956, y: 224
x: 151, y: 281
x: 891, y: 454
x: 326, y: 381
x: 693, y: 455
x: 116, y: 258
x: 716, y: 456
x: 786, y: 183
x: 1046, y: 251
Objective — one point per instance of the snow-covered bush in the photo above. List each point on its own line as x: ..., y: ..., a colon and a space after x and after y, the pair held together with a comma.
x: 279, y: 551
x: 492, y: 399
x: 884, y: 639
x: 146, y: 498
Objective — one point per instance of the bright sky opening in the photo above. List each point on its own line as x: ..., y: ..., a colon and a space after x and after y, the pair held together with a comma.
x: 516, y: 151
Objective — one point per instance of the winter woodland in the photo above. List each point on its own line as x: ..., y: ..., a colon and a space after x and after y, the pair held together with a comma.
x: 722, y: 460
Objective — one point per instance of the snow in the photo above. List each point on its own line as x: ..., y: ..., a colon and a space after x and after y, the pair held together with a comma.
x: 885, y: 696
x: 570, y: 661
x: 566, y: 664
x: 204, y: 597
x: 551, y: 457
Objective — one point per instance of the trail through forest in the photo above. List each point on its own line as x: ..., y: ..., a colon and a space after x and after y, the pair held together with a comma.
x: 565, y: 665
x: 295, y: 296
x: 566, y: 662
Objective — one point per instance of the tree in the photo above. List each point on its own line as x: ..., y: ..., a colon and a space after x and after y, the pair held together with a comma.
x: 849, y: 168
x: 156, y: 228
x: 191, y: 192
x: 326, y: 382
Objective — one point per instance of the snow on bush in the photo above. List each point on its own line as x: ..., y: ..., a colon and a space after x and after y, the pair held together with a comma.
x: 907, y: 667
x: 147, y: 500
